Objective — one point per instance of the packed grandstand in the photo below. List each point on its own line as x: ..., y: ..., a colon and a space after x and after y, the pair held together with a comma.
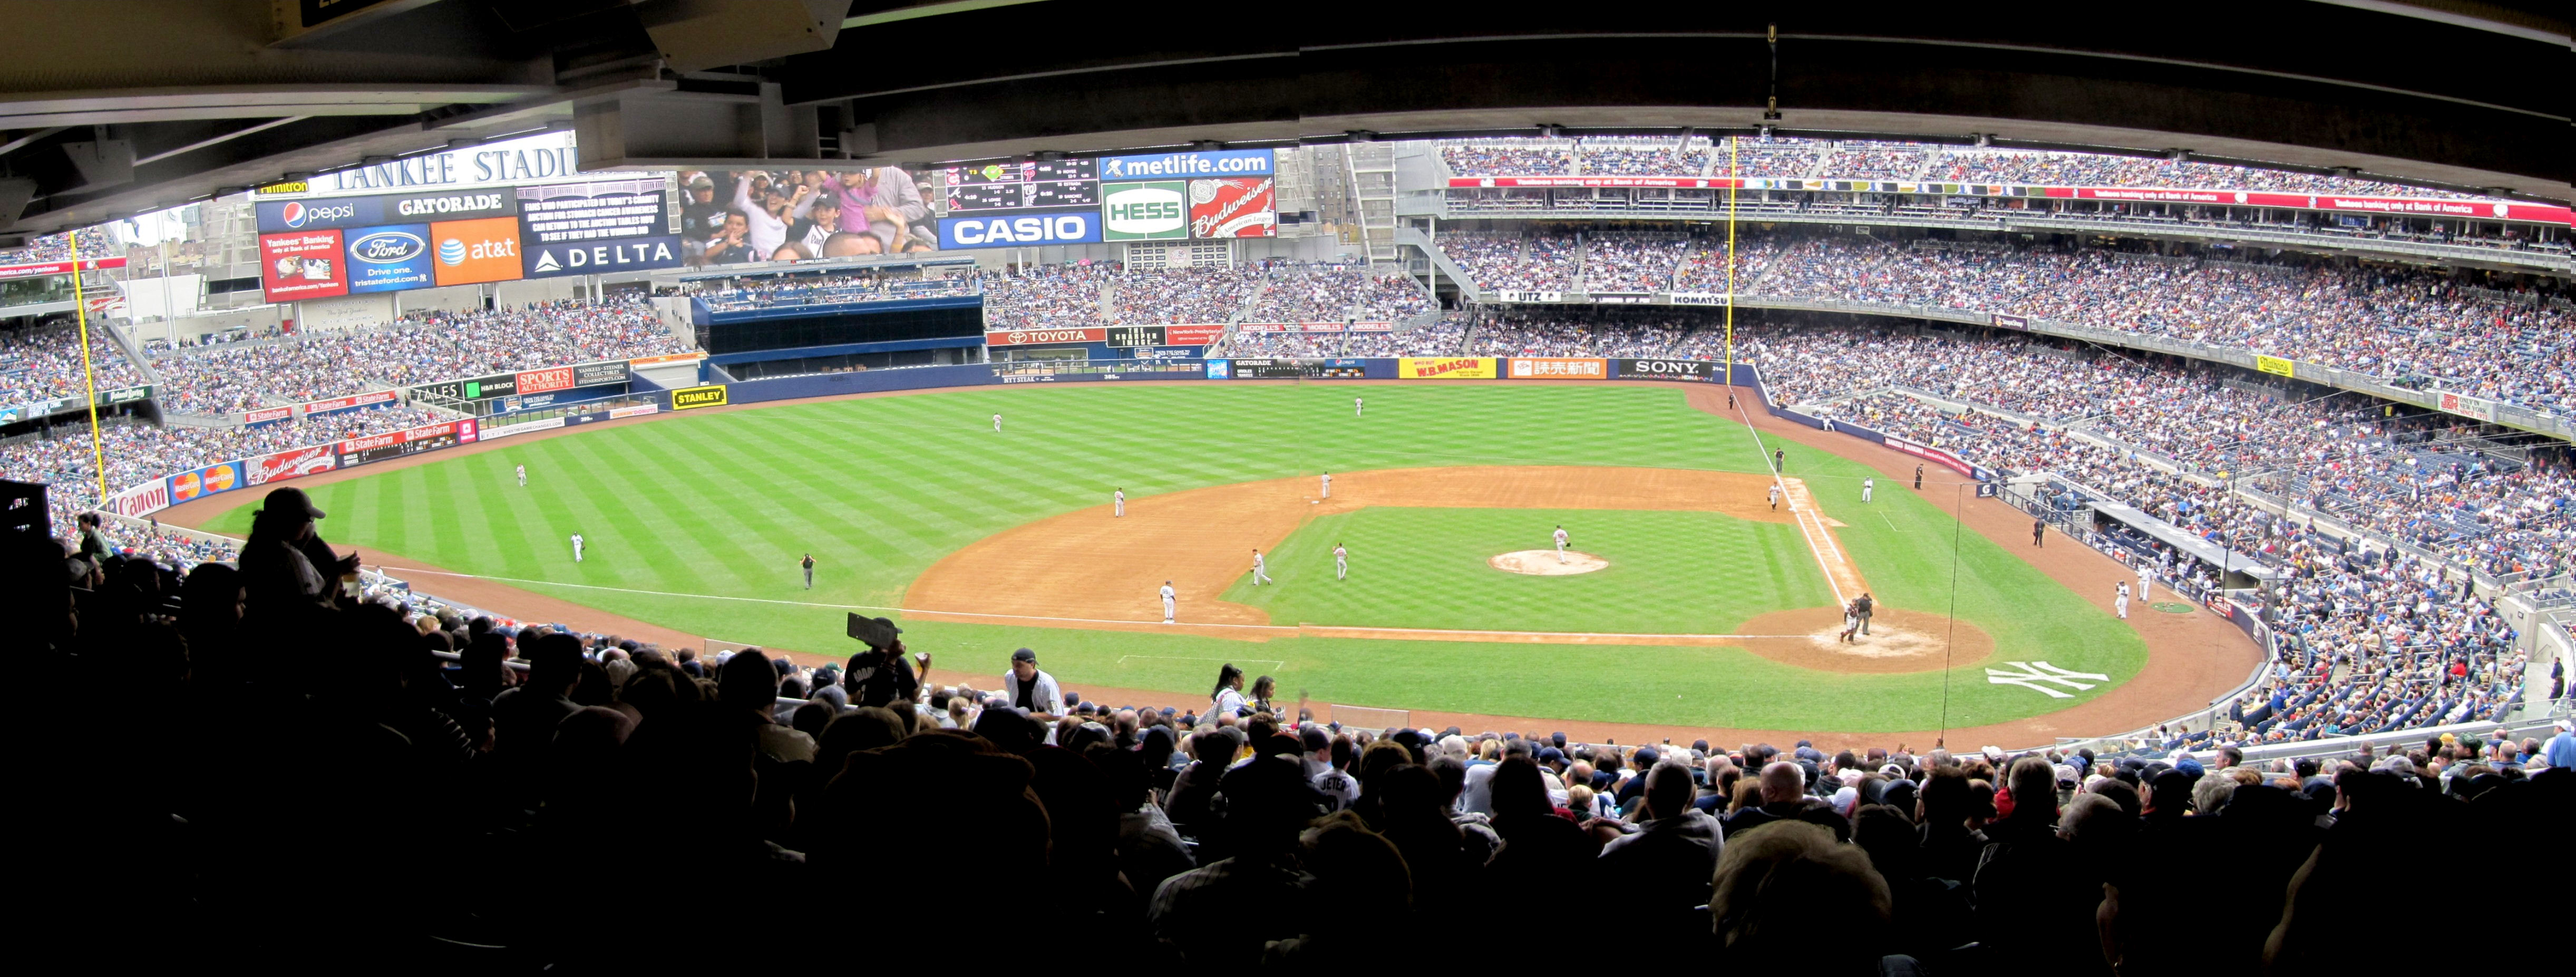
x: 2375, y: 522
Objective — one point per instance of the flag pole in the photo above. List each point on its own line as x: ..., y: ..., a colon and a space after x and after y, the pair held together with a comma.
x: 89, y: 374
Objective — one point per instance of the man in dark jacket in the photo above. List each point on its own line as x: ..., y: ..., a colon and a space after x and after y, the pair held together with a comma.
x: 1784, y: 798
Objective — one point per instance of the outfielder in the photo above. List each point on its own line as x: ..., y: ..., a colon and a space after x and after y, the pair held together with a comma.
x: 997, y: 423
x: 1341, y: 562
x: 2122, y: 601
x: 1775, y: 496
x: 1118, y: 503
x: 1918, y: 478
x: 808, y: 563
x: 1328, y: 485
x: 1261, y: 570
x: 1867, y: 486
x: 1560, y: 544
x: 523, y: 476
x: 576, y: 547
x: 1169, y: 601
x: 1359, y: 407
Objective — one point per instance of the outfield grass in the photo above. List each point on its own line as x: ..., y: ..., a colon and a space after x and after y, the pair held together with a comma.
x: 696, y: 522
x: 1669, y: 572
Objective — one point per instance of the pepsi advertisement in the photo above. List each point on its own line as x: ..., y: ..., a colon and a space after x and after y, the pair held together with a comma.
x: 389, y: 259
x: 277, y: 217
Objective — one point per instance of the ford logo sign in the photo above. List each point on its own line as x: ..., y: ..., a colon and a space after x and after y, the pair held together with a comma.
x: 387, y: 247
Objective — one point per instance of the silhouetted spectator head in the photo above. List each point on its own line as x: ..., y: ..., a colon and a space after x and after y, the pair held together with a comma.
x: 1776, y: 881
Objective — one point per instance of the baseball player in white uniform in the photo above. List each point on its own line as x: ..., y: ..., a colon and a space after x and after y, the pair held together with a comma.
x: 523, y: 476
x: 1775, y: 496
x: 2122, y: 601
x: 2146, y: 580
x: 1560, y: 544
x: 576, y: 547
x: 997, y: 423
x: 1328, y: 485
x: 1359, y: 407
x: 1261, y: 570
x: 1118, y: 502
x: 1341, y: 562
x: 1170, y: 600
x: 1867, y: 486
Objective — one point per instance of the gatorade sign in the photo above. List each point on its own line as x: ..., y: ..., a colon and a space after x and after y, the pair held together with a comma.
x: 1149, y: 211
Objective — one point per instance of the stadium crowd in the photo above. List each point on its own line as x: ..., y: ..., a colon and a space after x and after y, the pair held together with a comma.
x: 747, y: 293
x: 413, y: 756
x: 420, y: 347
x: 1183, y: 295
x: 1319, y: 292
x: 140, y: 452
x: 2413, y: 329
x: 1047, y: 296
x: 45, y: 364
x: 58, y: 247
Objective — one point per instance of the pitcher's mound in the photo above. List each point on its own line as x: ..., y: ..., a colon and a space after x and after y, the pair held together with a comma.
x: 1900, y: 640
x: 1544, y: 563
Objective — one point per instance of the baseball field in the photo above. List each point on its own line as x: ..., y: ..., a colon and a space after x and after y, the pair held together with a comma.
x: 1708, y: 607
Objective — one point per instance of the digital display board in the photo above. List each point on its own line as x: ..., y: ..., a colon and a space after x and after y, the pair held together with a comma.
x: 603, y: 226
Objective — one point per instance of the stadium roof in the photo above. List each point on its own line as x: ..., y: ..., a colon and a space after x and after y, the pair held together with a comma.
x: 116, y: 109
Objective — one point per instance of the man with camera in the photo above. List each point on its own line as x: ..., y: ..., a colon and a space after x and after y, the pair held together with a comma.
x: 1029, y: 689
x: 881, y: 675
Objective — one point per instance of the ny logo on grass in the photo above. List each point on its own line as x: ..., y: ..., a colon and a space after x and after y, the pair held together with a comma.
x: 2033, y: 673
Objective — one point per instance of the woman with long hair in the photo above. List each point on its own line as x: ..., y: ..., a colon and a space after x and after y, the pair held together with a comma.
x: 1262, y: 689
x: 1227, y: 699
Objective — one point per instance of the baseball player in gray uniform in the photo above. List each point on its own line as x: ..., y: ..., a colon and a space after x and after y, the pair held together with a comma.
x: 1118, y: 502
x: 1560, y: 545
x: 1341, y: 562
x: 1775, y: 496
x: 1328, y: 485
x: 1261, y: 570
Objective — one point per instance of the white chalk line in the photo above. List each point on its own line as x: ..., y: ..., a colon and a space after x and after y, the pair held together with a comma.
x: 1322, y: 630
x: 1795, y: 510
x: 1283, y: 666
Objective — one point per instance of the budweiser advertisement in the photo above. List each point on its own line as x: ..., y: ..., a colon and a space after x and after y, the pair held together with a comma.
x: 1236, y: 207
x: 1035, y: 337
x: 290, y: 464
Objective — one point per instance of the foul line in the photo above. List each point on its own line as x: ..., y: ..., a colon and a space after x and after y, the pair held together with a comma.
x: 1795, y: 511
x: 1319, y: 630
x: 1283, y: 666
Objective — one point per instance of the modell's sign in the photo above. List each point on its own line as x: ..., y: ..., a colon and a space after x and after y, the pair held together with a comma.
x: 1030, y: 337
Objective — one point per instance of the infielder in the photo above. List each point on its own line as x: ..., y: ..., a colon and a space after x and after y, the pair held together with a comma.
x: 1328, y: 485
x: 1261, y: 570
x: 997, y: 423
x: 576, y: 547
x: 1359, y: 407
x: 2123, y: 600
x: 1341, y: 562
x: 1560, y: 544
x: 1867, y: 486
x: 1169, y: 601
x: 523, y: 476
x: 1775, y: 496
x: 809, y: 571
x: 1118, y: 503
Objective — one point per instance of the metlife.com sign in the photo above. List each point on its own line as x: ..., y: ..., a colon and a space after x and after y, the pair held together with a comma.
x: 1226, y: 162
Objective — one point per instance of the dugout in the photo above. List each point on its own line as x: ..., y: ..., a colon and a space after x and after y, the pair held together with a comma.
x: 2237, y: 570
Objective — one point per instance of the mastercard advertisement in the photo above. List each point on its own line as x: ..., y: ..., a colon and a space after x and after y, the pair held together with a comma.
x: 471, y: 251
x: 210, y: 480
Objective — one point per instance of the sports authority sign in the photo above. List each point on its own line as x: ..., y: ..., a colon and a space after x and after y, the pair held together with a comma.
x: 1558, y: 368
x: 1041, y: 337
x: 1667, y: 369
x: 1445, y: 367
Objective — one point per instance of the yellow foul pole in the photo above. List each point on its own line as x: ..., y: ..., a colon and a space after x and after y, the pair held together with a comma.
x: 1734, y: 178
x: 89, y: 375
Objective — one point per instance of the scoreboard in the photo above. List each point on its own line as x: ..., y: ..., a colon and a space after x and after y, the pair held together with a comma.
x: 1033, y: 185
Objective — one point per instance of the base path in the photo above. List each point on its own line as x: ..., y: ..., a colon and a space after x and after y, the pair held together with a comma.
x: 1089, y: 569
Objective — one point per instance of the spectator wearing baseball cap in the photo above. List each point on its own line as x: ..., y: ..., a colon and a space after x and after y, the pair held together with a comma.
x: 1027, y: 688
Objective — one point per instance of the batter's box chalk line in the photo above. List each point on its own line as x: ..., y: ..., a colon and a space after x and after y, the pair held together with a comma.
x: 2035, y: 672
x: 1283, y: 666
